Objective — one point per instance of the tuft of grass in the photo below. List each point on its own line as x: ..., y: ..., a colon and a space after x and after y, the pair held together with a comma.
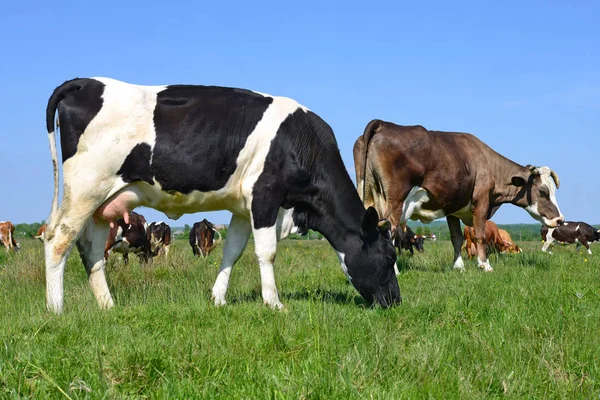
x: 527, y: 330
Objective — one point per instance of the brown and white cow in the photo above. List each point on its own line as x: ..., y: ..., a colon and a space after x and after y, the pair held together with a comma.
x: 409, y: 172
x: 493, y: 240
x: 509, y: 244
x: 7, y: 236
x: 41, y: 233
x: 203, y: 238
x: 129, y: 236
x: 159, y: 238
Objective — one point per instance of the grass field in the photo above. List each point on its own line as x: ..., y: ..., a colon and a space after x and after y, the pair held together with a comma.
x: 528, y: 330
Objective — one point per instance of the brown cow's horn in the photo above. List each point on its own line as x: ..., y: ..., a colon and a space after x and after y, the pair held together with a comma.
x: 554, y: 176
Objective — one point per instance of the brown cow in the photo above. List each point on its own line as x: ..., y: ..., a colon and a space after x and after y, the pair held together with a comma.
x: 408, y: 172
x: 493, y: 240
x: 7, y: 236
x: 510, y: 245
x: 202, y: 238
x: 41, y: 233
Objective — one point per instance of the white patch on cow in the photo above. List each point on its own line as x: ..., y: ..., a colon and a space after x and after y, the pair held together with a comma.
x: 413, y: 207
x: 577, y: 227
x: 589, y: 251
x: 546, y: 178
x: 485, y: 265
x: 548, y: 241
x: 459, y: 264
x: 396, y: 270
x: 342, y: 260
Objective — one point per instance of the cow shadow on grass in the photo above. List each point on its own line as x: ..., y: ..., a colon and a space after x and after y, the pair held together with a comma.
x: 332, y: 296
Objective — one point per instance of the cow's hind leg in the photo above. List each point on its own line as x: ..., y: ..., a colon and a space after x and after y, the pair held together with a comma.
x: 91, y: 249
x: 65, y: 227
x: 456, y: 237
x: 237, y: 237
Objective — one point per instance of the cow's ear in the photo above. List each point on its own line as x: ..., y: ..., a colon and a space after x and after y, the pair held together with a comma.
x: 384, y: 225
x: 518, y: 181
x: 369, y: 223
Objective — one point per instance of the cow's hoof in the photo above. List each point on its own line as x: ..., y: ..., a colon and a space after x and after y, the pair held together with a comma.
x: 460, y: 269
x: 275, y: 305
x: 219, y: 301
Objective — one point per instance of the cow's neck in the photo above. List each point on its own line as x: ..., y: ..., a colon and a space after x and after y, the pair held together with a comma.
x: 336, y: 211
x: 505, y: 191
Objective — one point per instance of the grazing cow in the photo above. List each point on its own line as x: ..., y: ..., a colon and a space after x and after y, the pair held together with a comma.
x: 128, y: 237
x: 493, y: 240
x: 509, y: 244
x: 159, y: 238
x: 202, y: 238
x: 41, y: 233
x: 184, y: 149
x: 407, y: 239
x: 7, y: 236
x: 570, y: 232
x: 408, y: 172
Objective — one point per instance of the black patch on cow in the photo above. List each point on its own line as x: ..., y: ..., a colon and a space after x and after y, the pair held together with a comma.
x: 304, y: 170
x: 136, y: 166
x: 200, y: 131
x: 76, y: 111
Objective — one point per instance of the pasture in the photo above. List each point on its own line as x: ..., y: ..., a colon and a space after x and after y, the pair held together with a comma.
x: 528, y: 330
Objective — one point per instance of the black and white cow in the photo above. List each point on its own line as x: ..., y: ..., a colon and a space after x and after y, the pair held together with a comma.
x: 408, y: 239
x: 570, y: 232
x: 159, y: 238
x: 183, y: 149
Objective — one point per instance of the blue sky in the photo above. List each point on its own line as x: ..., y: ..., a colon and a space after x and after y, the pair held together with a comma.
x: 522, y: 76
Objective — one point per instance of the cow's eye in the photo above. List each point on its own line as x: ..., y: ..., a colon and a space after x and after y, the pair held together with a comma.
x: 544, y: 193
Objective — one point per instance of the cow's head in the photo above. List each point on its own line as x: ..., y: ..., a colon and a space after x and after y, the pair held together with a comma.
x: 597, y: 235
x: 539, y: 195
x: 418, y: 241
x: 371, y: 263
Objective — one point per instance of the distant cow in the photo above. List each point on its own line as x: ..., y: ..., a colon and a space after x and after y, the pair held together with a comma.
x: 493, y: 240
x: 509, y: 244
x: 7, y: 236
x: 183, y: 149
x: 407, y: 239
x: 203, y: 238
x: 129, y: 237
x: 409, y: 172
x: 159, y: 238
x: 570, y: 232
x: 41, y: 233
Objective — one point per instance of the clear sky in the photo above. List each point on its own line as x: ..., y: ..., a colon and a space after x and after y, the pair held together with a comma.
x: 522, y: 76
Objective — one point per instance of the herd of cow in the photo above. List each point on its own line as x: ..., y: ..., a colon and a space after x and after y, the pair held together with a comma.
x: 276, y: 166
x: 135, y: 236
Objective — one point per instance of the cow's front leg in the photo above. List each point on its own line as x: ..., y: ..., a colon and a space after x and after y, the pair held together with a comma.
x: 91, y: 249
x: 479, y: 228
x: 237, y: 238
x: 456, y: 237
x: 585, y: 243
x: 265, y: 243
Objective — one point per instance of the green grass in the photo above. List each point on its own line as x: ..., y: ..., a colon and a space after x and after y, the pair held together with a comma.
x: 528, y: 330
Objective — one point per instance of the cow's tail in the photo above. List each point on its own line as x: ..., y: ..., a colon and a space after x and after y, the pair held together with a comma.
x: 57, y: 96
x: 370, y: 130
